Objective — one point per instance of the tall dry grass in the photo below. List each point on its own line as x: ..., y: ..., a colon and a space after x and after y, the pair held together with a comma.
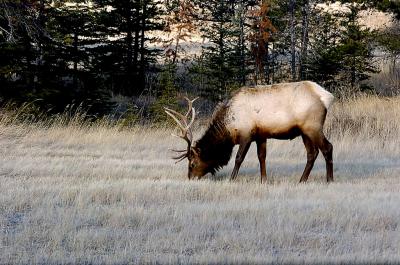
x: 99, y: 193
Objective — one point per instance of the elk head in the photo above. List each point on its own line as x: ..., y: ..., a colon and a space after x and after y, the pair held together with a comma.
x: 196, y: 166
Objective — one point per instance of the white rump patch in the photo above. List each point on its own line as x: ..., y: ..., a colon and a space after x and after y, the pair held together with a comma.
x: 325, y: 96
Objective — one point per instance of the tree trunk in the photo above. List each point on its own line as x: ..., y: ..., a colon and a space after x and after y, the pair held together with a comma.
x: 75, y: 58
x: 39, y: 59
x: 136, y: 29
x: 292, y: 38
x: 266, y: 62
x: 129, y: 56
x: 142, y: 49
x: 353, y: 72
x: 304, y: 40
x: 273, y: 64
x: 242, y: 47
x: 178, y: 37
x: 221, y: 62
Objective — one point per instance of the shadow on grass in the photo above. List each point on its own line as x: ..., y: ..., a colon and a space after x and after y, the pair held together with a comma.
x: 343, y: 171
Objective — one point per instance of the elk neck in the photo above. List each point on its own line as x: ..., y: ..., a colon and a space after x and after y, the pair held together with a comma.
x: 216, y: 144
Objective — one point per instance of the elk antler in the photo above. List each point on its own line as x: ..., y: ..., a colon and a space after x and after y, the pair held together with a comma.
x: 184, y: 125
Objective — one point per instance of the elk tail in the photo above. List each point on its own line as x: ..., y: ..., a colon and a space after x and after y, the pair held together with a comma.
x: 325, y: 96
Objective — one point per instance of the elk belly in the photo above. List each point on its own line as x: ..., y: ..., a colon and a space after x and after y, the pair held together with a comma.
x: 262, y: 120
x: 279, y: 125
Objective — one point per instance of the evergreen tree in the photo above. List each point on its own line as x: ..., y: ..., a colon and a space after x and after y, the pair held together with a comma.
x: 68, y: 59
x: 342, y: 51
x: 127, y: 55
x: 218, y: 29
x: 20, y: 31
x: 325, y: 62
x: 389, y: 41
x: 357, y: 53
x: 280, y: 59
x: 51, y: 65
x: 226, y: 51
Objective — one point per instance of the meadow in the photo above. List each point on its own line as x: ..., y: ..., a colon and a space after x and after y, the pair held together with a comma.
x: 95, y: 193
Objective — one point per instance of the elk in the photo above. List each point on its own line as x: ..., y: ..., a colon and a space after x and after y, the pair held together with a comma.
x: 279, y: 111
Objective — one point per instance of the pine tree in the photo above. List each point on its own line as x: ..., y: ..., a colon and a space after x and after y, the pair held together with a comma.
x: 217, y: 18
x: 20, y: 31
x: 342, y: 51
x: 127, y: 55
x: 389, y: 41
x: 225, y: 53
x: 325, y: 62
x: 68, y: 59
x: 357, y: 54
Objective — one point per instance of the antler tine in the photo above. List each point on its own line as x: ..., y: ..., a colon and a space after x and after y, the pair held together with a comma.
x: 190, y: 135
x: 184, y: 137
x: 179, y: 123
x: 192, y: 119
x: 184, y: 126
x: 190, y: 104
x: 184, y: 131
x: 180, y: 115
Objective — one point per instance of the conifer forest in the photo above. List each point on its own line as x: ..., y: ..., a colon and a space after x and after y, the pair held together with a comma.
x: 125, y: 57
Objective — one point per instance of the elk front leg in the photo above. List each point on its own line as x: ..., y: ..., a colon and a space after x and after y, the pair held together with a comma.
x: 243, y: 148
x: 262, y: 153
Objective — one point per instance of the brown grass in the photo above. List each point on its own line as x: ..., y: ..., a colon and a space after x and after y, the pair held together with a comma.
x: 80, y: 193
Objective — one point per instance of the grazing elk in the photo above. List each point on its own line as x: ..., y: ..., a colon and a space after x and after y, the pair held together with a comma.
x: 280, y: 111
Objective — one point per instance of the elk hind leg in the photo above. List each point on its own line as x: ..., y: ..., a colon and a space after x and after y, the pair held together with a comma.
x: 327, y: 149
x: 312, y: 153
x: 243, y: 148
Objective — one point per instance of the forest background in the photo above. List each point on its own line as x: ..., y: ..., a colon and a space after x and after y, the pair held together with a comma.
x: 127, y: 59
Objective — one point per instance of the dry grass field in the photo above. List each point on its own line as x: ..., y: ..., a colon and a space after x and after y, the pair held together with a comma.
x: 99, y: 194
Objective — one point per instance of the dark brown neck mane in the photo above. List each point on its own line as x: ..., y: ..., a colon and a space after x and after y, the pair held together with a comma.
x: 216, y: 144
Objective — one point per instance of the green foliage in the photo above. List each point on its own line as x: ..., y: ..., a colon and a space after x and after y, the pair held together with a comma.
x: 342, y: 52
x: 390, y: 41
x: 130, y: 117
x: 167, y: 96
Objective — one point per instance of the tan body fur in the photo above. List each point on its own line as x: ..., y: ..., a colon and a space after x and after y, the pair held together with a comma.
x: 280, y: 111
